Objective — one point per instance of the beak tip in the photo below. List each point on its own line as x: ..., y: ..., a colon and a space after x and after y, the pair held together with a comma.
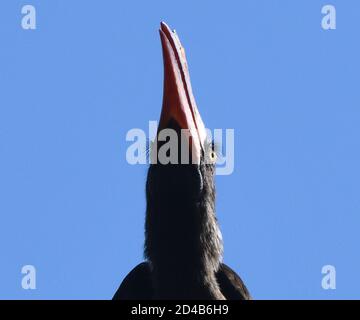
x: 163, y: 24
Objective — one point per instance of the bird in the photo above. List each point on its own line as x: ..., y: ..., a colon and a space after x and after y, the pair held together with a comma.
x: 183, y: 247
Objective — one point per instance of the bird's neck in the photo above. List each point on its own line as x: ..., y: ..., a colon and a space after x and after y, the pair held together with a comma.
x: 183, y: 244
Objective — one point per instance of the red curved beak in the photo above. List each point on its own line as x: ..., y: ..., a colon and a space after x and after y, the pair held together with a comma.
x: 178, y: 101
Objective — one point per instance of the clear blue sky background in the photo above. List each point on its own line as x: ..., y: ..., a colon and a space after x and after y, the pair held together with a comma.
x: 69, y: 91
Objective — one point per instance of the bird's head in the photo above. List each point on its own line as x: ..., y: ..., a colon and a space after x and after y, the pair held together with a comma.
x: 181, y: 149
x: 180, y: 184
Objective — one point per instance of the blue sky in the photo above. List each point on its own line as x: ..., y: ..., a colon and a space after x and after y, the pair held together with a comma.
x: 71, y: 89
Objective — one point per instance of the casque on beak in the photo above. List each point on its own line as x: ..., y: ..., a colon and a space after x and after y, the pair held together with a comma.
x: 178, y: 101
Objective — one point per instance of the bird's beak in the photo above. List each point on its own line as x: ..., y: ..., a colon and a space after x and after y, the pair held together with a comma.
x: 178, y: 101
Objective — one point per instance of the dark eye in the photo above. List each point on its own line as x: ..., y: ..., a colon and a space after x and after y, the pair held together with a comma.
x: 211, y: 153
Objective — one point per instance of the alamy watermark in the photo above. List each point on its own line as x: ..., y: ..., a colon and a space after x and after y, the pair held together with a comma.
x: 328, y: 22
x: 165, y: 145
x: 28, y: 281
x: 28, y: 21
x: 329, y: 280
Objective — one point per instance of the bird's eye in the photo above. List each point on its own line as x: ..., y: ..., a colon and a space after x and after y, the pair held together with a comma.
x: 213, y: 155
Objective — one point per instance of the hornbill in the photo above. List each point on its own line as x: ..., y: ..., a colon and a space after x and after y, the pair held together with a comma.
x: 183, y: 243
